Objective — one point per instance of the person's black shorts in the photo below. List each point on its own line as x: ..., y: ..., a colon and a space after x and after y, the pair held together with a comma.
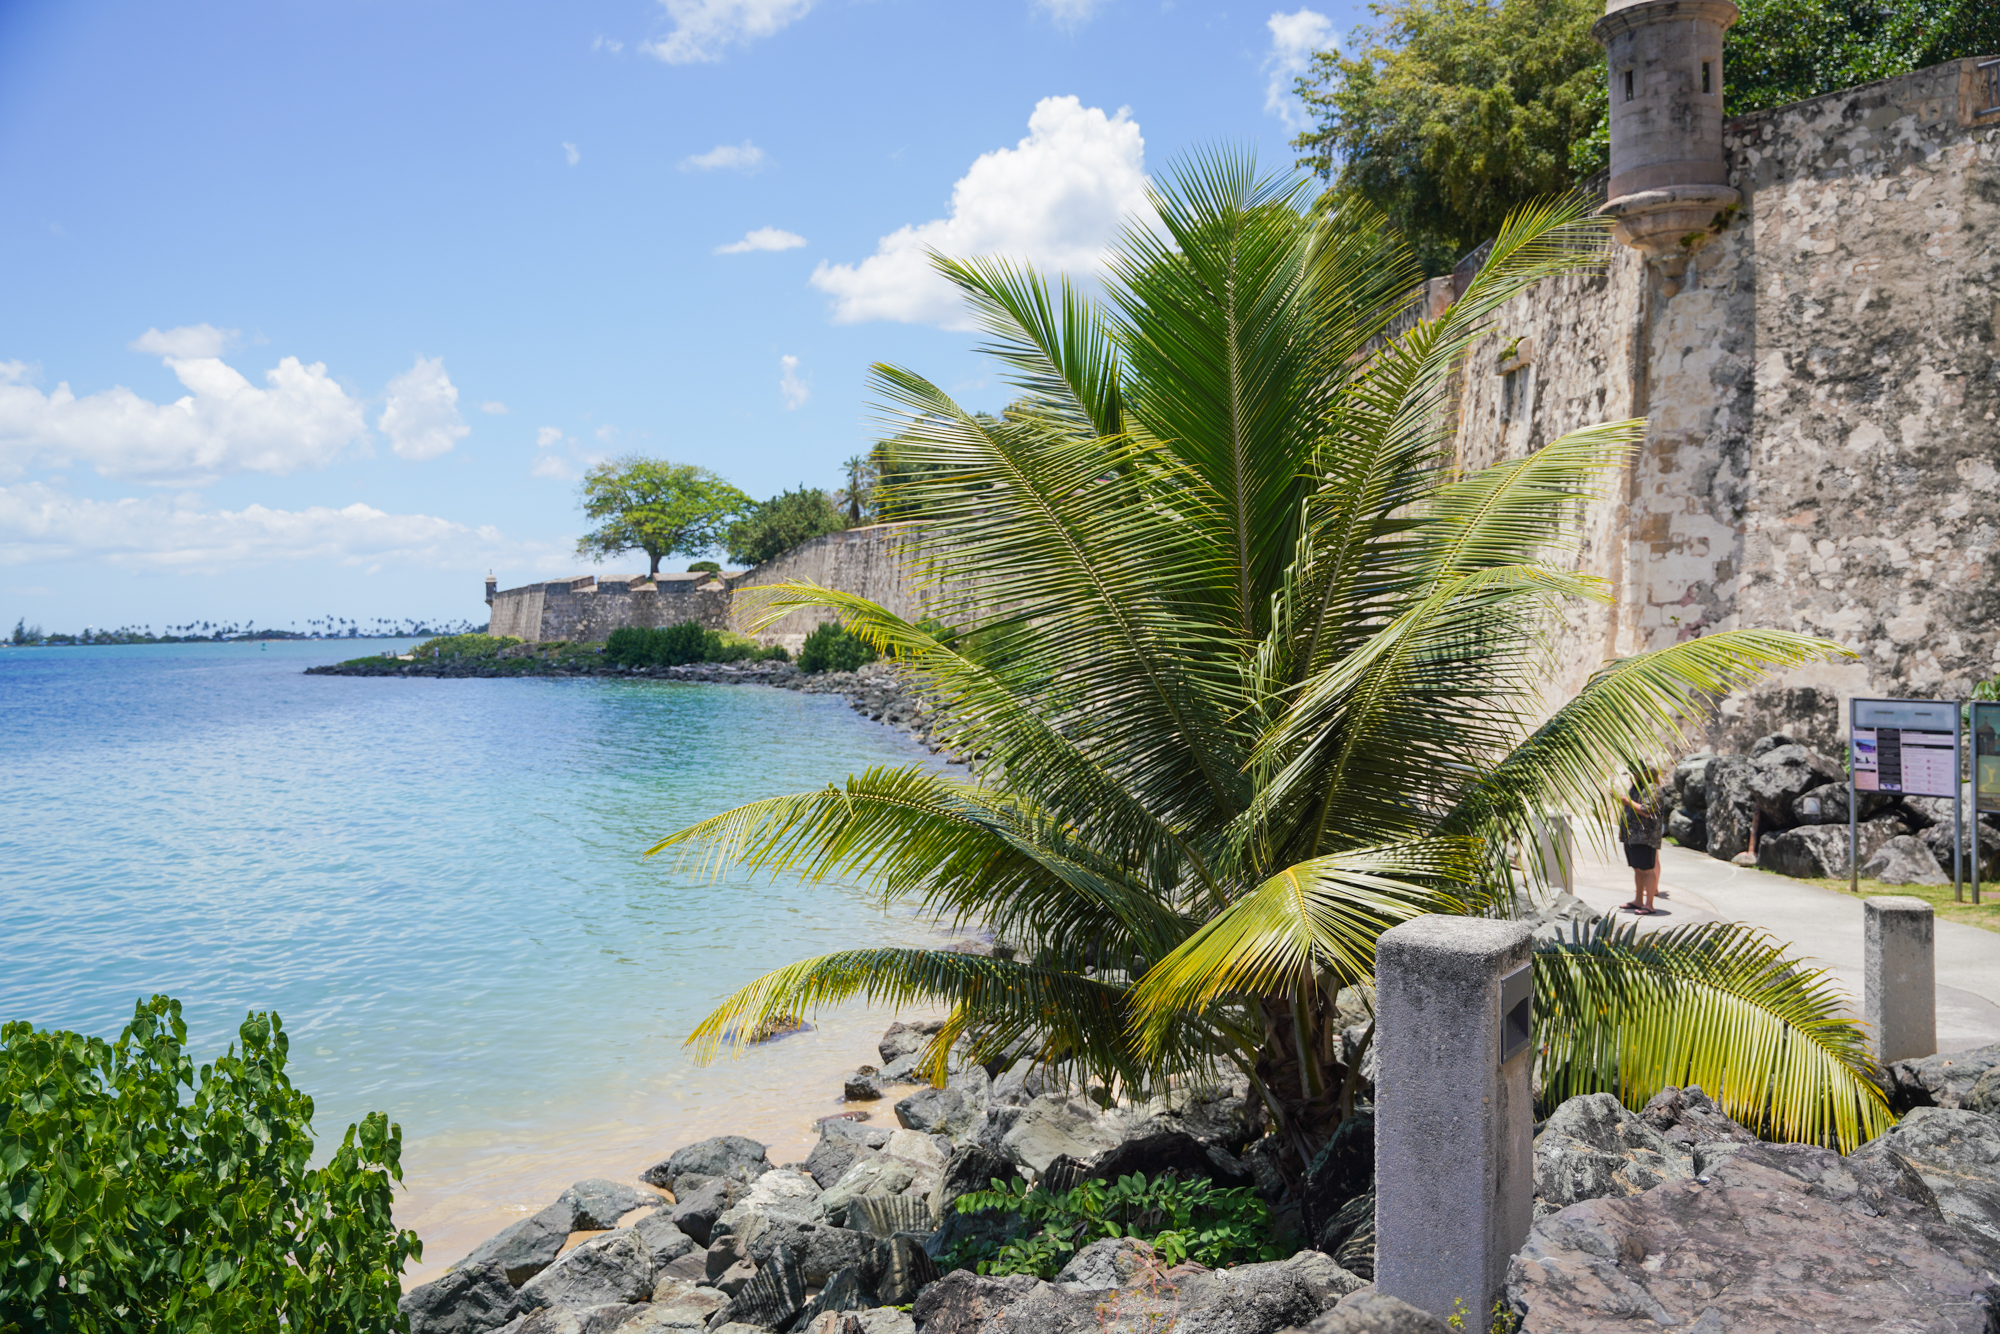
x: 1641, y: 856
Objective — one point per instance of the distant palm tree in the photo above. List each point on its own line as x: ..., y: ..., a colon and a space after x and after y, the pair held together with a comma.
x: 1265, y: 676
x: 858, y: 493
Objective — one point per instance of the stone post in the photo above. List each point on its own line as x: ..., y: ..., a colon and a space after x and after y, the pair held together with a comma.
x: 1900, y: 975
x: 1454, y: 1115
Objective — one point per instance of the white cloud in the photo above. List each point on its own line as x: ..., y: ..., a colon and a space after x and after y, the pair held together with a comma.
x: 702, y: 28
x: 1055, y: 199
x: 421, y: 417
x: 611, y: 44
x: 493, y: 407
x: 570, y: 154
x: 224, y: 424
x: 794, y: 390
x: 1069, y: 13
x: 188, y: 341
x: 764, y: 238
x: 548, y: 437
x: 745, y: 156
x: 41, y: 523
x: 1294, y: 38
x: 556, y: 467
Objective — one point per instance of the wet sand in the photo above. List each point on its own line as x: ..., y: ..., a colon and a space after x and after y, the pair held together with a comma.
x: 457, y: 1192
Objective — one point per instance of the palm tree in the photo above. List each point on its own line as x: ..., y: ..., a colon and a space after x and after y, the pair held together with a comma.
x: 1258, y: 673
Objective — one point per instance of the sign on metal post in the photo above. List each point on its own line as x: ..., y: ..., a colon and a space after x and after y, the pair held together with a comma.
x: 1909, y: 746
x: 1985, y: 773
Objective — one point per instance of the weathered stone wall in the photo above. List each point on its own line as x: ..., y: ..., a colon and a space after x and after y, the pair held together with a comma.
x: 1821, y: 378
x: 587, y: 609
x: 877, y: 563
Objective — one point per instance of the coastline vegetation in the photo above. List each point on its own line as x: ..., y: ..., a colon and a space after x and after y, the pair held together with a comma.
x: 687, y: 642
x: 145, y: 1193
x: 1273, y: 681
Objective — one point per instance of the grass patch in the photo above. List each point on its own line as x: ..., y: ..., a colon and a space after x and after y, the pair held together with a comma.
x: 1986, y: 916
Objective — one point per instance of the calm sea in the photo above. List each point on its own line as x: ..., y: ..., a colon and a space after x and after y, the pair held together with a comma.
x: 438, y: 885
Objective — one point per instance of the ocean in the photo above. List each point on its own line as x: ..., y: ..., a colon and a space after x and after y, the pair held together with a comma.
x: 439, y: 886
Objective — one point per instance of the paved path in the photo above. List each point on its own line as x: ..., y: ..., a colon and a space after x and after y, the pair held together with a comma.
x: 1823, y: 925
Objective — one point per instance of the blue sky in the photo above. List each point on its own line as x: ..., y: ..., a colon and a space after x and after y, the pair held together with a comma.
x: 320, y: 306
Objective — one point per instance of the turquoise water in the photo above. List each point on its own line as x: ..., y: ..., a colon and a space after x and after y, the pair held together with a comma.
x: 437, y: 884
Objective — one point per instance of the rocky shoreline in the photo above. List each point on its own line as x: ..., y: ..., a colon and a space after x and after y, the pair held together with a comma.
x: 1673, y: 1216
x: 878, y: 690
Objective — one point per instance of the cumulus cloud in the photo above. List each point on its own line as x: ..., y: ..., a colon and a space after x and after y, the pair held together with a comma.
x: 42, y: 523
x: 1294, y: 38
x: 421, y: 416
x: 548, y: 437
x: 1069, y: 13
x: 1055, y: 199
x: 745, y: 156
x: 764, y: 238
x: 704, y: 28
x: 794, y: 390
x: 187, y: 342
x: 223, y: 424
x: 570, y: 155
x: 493, y: 407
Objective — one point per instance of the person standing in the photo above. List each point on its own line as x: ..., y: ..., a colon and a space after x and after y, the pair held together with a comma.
x: 1640, y: 830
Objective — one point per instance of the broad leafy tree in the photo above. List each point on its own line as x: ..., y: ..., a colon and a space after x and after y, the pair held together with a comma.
x: 784, y: 521
x: 1273, y: 681
x: 1448, y: 114
x: 661, y: 508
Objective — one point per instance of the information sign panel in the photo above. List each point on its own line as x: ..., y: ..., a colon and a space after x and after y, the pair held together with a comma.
x: 1905, y: 745
x: 1986, y: 754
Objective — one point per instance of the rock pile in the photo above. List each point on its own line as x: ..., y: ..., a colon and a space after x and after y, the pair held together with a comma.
x: 1792, y: 802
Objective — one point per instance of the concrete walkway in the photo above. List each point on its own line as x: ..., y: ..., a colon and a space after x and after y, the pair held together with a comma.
x: 1823, y: 926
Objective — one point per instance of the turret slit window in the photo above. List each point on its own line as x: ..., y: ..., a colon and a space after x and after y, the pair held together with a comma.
x: 1628, y: 85
x: 1705, y: 87
x: 1513, y: 393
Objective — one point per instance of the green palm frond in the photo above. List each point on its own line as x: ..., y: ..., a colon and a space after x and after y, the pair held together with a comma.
x: 1309, y: 923
x: 1715, y: 1004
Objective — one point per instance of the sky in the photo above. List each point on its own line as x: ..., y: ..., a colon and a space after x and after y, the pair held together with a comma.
x: 321, y: 307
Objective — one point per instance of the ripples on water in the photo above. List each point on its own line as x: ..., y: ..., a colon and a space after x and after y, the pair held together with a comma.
x: 437, y: 884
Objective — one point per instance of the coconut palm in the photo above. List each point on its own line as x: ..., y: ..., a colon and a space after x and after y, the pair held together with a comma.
x: 1256, y: 672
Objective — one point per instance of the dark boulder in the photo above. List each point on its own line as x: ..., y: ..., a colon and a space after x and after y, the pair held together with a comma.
x: 1957, y: 1153
x: 608, y: 1269
x: 1903, y: 861
x: 1592, y: 1148
x: 1941, y: 844
x: 725, y: 1156
x: 1249, y: 1299
x: 599, y: 1204
x: 1688, y: 1119
x: 771, y: 1299
x: 529, y: 1246
x: 1177, y: 1154
x: 471, y: 1299
x: 905, y: 1269
x: 1819, y: 851
x: 862, y: 1085
x: 696, y: 1213
x: 1688, y: 830
x: 1984, y: 1096
x: 1370, y: 1312
x: 907, y: 1038
x: 883, y: 1216
x: 831, y: 1158
x: 971, y: 1167
x: 1784, y: 774
x: 1343, y: 1169
x: 662, y: 1238
x: 1731, y: 805
x: 1939, y: 1081
x: 818, y: 1249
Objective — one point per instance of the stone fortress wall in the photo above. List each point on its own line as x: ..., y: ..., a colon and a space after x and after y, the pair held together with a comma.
x: 1819, y: 367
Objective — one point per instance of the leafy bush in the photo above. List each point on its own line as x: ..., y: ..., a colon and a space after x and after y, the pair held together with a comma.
x: 464, y: 646
x: 786, y: 520
x: 1183, y: 1220
x: 704, y: 567
x: 834, y: 648
x: 125, y: 1206
x: 676, y: 645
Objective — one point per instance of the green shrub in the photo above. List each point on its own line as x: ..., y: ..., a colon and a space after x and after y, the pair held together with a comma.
x: 464, y: 646
x: 704, y: 567
x: 1183, y: 1220
x: 676, y: 645
x: 137, y: 1193
x: 834, y: 648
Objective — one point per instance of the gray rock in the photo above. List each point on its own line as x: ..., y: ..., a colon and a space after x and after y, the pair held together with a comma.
x: 1112, y: 1262
x: 991, y: 1132
x: 606, y: 1269
x: 1818, y: 851
x: 907, y: 1039
x: 862, y: 1322
x: 878, y: 1174
x: 1957, y: 1153
x: 1019, y: 1085
x: 1327, y: 1280
x: 1731, y: 802
x: 1052, y: 1126
x: 883, y: 1216
x: 1250, y: 1299
x: 856, y: 1131
x: 722, y: 1254
x: 728, y: 1156
x: 848, y: 1290
x: 819, y: 1249
x: 936, y: 1111
x: 1783, y: 775
x: 1880, y: 1185
x: 785, y: 1190
x: 1224, y: 1115
x: 1903, y: 861
x: 566, y: 1320
x: 1690, y: 1119
x: 599, y: 1204
x: 697, y: 1212
x: 966, y: 1238
x: 676, y: 1313
x: 970, y: 1167
x: 902, y: 1070
x: 664, y: 1242
x: 1689, y: 781
x: 734, y: 1278
x: 529, y: 1246
x: 1370, y: 1312
x: 831, y: 1158
x: 1943, y: 1080
x: 1767, y: 1255
x: 1827, y: 804
x: 1688, y: 830
x: 469, y: 1300
x: 862, y: 1085
x: 1764, y: 745
x: 1938, y: 839
x: 1984, y: 1096
x: 1592, y: 1148
x: 771, y: 1299
x: 906, y: 1270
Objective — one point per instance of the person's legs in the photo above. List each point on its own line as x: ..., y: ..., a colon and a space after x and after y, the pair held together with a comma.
x: 1649, y: 885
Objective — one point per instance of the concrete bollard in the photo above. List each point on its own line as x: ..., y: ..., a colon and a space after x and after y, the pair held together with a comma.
x: 1900, y: 976
x: 1454, y: 1114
